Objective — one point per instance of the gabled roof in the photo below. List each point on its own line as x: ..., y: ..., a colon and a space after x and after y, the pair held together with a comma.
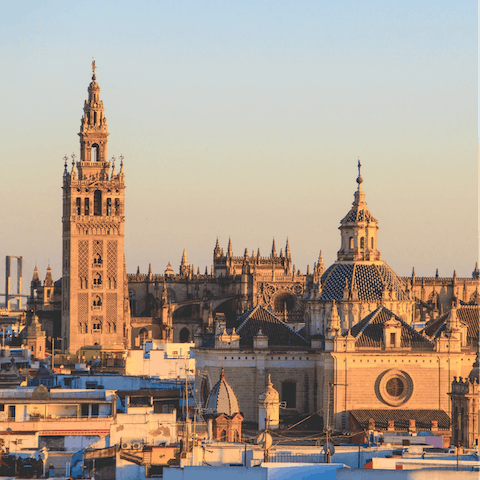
x: 369, y: 331
x: 370, y: 281
x: 467, y: 314
x: 423, y: 418
x: 259, y: 319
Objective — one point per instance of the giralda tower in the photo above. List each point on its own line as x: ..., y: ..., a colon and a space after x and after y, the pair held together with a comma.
x: 95, y: 307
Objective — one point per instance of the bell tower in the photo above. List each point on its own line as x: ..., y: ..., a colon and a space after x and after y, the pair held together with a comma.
x: 95, y: 308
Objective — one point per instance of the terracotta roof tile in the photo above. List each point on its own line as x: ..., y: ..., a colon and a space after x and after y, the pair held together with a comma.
x: 423, y: 418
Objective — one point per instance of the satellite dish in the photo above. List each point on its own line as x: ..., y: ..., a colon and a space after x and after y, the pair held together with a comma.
x: 329, y: 448
x: 265, y: 440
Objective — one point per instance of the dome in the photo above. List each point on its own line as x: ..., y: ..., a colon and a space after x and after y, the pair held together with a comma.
x: 370, y: 281
x: 269, y: 395
x: 222, y: 398
x: 474, y: 373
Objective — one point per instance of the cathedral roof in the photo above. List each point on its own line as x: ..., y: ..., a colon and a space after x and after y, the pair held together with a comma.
x: 369, y: 279
x: 369, y: 331
x: 222, y: 398
x: 259, y: 319
x: 423, y: 418
x: 467, y: 314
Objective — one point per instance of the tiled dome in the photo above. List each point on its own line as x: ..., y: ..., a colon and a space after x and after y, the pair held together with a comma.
x: 369, y: 279
x: 222, y: 398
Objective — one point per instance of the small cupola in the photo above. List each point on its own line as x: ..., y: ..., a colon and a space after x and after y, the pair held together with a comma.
x: 359, y: 230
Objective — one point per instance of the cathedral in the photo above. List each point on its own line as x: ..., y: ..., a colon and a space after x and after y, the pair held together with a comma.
x: 336, y: 341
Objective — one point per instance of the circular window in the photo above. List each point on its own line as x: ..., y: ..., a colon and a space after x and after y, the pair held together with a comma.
x: 394, y: 387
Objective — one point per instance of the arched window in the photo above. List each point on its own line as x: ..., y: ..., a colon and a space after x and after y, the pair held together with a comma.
x: 371, y: 243
x: 362, y: 242
x: 97, y: 259
x: 184, y: 335
x: 117, y: 206
x: 350, y: 243
x: 79, y: 206
x: 97, y: 279
x: 223, y: 436
x: 97, y: 325
x: 95, y: 148
x: 87, y: 207
x: 109, y: 206
x: 97, y: 302
x: 97, y: 202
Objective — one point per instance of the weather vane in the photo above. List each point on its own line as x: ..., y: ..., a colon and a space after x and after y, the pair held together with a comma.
x: 93, y: 66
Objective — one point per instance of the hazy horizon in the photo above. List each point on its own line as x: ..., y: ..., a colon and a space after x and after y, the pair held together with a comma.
x: 244, y: 120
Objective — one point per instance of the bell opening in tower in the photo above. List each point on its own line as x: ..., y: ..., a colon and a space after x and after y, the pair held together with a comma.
x: 95, y: 155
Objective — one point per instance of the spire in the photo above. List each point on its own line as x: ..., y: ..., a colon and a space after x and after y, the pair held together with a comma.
x: 73, y: 173
x: 287, y: 250
x: 184, y: 263
x: 138, y: 270
x: 320, y: 265
x: 216, y: 250
x: 35, y: 278
x: 359, y: 178
x: 65, y: 170
x: 112, y: 175
x: 476, y: 272
x: 229, y: 248
x: 436, y: 273
x: 48, y: 278
x: 274, y: 249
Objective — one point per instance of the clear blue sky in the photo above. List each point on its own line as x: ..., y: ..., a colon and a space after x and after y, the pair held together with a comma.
x: 245, y: 119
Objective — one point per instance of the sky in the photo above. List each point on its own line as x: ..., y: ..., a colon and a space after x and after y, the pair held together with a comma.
x: 244, y: 119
